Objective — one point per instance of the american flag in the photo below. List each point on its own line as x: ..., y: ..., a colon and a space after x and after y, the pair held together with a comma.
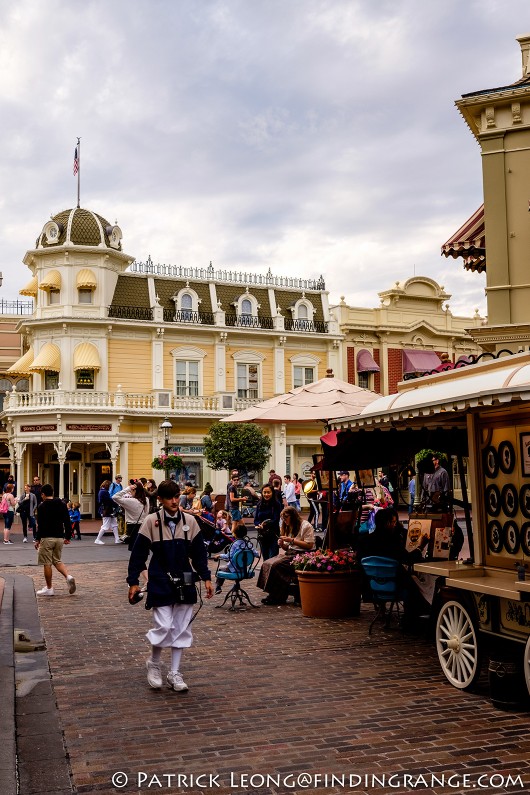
x: 76, y: 162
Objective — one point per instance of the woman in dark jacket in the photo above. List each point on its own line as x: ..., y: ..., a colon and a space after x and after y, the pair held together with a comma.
x: 267, y: 522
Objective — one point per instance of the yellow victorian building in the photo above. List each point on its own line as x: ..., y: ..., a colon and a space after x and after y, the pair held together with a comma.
x: 114, y: 346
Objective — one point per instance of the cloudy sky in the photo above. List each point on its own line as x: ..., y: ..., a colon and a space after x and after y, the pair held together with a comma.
x: 308, y: 136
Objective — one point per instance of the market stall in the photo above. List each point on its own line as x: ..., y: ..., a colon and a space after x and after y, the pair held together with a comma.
x: 481, y: 411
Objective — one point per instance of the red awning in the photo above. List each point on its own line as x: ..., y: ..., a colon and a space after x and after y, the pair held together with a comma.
x: 469, y: 242
x: 366, y: 362
x: 419, y: 361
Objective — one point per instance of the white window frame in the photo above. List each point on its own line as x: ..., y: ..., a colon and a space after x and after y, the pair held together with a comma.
x: 369, y: 380
x: 305, y: 360
x: 247, y: 390
x: 86, y: 292
x: 54, y: 297
x: 249, y: 357
x: 188, y: 354
x: 246, y: 296
x: 304, y: 368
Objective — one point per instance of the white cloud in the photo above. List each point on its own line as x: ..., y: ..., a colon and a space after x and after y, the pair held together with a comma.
x: 311, y: 136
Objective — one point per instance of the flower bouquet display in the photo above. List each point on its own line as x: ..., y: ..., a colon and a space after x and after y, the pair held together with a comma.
x: 326, y: 561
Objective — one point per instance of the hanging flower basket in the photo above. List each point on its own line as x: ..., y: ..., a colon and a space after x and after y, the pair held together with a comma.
x: 162, y: 461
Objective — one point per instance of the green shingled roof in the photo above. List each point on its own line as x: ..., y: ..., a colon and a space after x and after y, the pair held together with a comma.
x: 84, y: 229
x: 131, y: 291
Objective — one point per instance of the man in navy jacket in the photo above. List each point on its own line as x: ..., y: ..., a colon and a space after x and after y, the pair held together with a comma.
x: 178, y: 559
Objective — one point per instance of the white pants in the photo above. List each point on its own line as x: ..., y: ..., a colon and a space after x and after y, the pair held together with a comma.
x: 109, y: 524
x: 171, y: 626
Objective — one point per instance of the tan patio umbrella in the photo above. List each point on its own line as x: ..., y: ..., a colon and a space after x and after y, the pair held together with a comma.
x: 324, y: 400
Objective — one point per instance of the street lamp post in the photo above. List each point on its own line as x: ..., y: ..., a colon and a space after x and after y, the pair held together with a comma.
x: 166, y: 427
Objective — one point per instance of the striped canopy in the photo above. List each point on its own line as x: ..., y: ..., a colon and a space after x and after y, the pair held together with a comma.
x: 469, y: 242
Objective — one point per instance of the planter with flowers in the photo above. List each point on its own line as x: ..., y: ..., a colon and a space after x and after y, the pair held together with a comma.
x: 171, y: 463
x: 330, y: 583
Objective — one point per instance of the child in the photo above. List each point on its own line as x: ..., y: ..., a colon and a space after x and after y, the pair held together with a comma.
x: 178, y: 550
x: 223, y: 534
x: 75, y: 519
x: 240, y: 532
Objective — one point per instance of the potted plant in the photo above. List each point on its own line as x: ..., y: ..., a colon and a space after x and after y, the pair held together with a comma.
x: 330, y: 583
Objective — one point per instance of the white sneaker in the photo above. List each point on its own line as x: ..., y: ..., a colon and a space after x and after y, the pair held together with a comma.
x: 45, y: 591
x: 98, y: 542
x: 70, y: 581
x: 176, y: 682
x: 8, y: 542
x: 24, y: 540
x: 154, y: 675
x: 119, y: 542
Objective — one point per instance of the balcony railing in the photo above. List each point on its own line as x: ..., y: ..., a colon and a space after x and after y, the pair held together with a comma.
x: 96, y: 402
x: 188, y: 316
x: 130, y: 312
x: 16, y: 307
x: 315, y: 326
x: 249, y: 321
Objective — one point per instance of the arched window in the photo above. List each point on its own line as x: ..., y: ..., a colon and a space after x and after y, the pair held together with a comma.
x: 302, y: 312
x: 5, y: 386
x: 186, y: 306
x: 246, y: 307
x: 23, y: 385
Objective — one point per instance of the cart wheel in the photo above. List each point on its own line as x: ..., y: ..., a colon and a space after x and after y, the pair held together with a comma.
x: 457, y: 645
x: 527, y: 664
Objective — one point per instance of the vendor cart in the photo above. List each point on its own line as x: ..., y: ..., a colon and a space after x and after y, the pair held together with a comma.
x: 480, y: 412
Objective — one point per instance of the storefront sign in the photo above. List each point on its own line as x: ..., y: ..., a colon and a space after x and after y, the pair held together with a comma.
x: 37, y: 428
x: 84, y: 427
x: 187, y: 449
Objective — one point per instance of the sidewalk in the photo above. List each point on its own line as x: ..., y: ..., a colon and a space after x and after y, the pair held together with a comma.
x: 271, y: 694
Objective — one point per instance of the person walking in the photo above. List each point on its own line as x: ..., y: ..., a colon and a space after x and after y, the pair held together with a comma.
x: 116, y: 485
x: 135, y: 503
x: 289, y: 492
x: 178, y: 559
x: 107, y: 511
x: 27, y: 505
x: 52, y: 533
x: 297, y: 490
x: 9, y: 504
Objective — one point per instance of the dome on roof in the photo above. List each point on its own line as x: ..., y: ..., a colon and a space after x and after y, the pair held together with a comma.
x: 79, y: 227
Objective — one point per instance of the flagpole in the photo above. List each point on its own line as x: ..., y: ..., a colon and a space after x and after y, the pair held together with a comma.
x: 78, y: 173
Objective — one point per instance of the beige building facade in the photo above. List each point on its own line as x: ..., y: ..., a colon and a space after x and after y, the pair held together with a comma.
x: 412, y: 330
x: 497, y: 237
x: 114, y: 346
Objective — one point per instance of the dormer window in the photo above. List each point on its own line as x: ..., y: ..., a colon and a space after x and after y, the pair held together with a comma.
x: 187, y: 304
x: 247, y: 310
x: 302, y: 313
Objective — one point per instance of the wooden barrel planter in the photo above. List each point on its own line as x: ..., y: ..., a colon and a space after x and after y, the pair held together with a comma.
x: 332, y: 595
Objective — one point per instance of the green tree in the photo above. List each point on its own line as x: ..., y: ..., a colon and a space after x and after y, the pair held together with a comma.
x: 234, y: 445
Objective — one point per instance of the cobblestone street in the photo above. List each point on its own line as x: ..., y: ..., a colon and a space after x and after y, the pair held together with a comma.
x: 271, y: 693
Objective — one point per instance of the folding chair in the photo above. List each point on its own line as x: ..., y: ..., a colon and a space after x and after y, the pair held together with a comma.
x: 244, y: 564
x: 383, y: 578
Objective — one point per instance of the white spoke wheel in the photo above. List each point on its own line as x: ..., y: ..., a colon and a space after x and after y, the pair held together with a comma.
x: 457, y: 645
x: 527, y: 665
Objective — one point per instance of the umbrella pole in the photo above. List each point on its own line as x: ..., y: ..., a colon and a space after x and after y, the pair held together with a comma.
x: 331, y: 515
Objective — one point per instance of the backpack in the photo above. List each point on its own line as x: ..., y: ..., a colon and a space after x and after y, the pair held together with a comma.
x: 4, y: 505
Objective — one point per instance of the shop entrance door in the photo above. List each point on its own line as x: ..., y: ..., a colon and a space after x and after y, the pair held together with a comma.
x: 101, y: 472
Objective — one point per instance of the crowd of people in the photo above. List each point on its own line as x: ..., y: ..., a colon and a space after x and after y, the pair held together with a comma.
x: 171, y: 535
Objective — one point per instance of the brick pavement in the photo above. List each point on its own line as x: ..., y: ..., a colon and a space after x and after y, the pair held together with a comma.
x: 271, y: 692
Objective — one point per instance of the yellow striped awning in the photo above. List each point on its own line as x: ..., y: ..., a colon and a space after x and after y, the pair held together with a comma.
x: 86, y: 357
x: 49, y: 358
x: 30, y: 288
x: 21, y: 367
x: 52, y: 281
x: 86, y: 280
